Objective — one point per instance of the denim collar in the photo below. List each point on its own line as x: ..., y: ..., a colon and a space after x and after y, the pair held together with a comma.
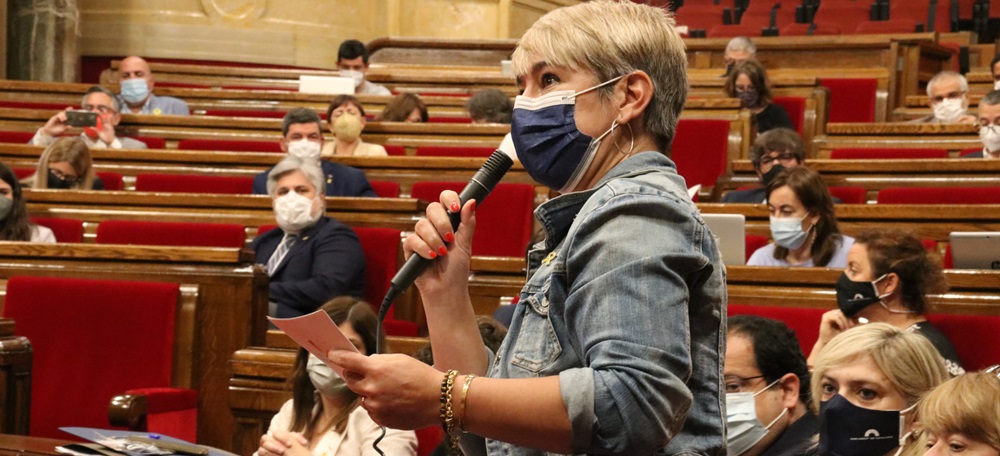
x: 556, y: 215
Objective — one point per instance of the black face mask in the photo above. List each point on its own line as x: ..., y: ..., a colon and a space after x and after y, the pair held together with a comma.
x: 769, y: 176
x: 55, y: 182
x: 853, y: 296
x: 848, y: 430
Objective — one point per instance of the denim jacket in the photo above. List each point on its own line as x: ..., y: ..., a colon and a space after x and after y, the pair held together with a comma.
x: 625, y: 301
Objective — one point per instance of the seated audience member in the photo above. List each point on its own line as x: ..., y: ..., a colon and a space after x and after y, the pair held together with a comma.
x: 948, y: 97
x: 345, y: 117
x: 995, y: 71
x: 867, y: 382
x: 772, y: 152
x: 352, y: 60
x: 312, y: 258
x: 768, y: 408
x: 105, y: 104
x: 405, y: 107
x: 14, y: 222
x: 962, y: 415
x: 66, y: 164
x: 888, y: 276
x: 803, y: 223
x: 748, y: 82
x: 989, y: 126
x: 490, y: 106
x: 302, y: 137
x: 737, y: 50
x: 137, y: 84
x: 323, y: 417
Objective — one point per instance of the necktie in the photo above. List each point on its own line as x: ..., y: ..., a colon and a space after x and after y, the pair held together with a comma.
x: 279, y: 254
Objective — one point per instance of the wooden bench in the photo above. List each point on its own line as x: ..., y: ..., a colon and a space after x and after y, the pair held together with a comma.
x: 227, y: 315
x: 953, y: 137
x: 875, y: 175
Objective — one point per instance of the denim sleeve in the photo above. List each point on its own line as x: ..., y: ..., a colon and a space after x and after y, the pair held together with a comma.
x: 629, y: 265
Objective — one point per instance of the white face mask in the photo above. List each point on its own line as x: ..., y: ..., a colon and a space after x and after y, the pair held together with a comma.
x: 949, y: 109
x: 744, y: 430
x: 326, y: 381
x: 294, y: 212
x: 990, y: 136
x: 996, y: 85
x: 358, y: 76
x: 305, y: 150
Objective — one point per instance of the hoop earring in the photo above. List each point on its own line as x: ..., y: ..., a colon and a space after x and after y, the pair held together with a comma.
x: 631, y: 138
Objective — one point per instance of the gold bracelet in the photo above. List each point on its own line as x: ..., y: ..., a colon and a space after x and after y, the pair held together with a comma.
x: 447, y: 414
x: 465, y: 395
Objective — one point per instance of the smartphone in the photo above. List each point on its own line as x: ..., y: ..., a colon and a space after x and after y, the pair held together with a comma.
x: 81, y: 118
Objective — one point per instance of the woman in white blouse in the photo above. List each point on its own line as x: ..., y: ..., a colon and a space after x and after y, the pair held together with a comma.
x: 14, y: 222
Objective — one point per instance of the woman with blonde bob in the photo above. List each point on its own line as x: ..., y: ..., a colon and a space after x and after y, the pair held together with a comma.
x: 614, y: 345
x: 66, y: 164
x: 962, y: 416
x: 868, y: 381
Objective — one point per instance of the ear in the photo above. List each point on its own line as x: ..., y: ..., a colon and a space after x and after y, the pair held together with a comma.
x: 891, y: 282
x: 284, y: 145
x: 638, y: 94
x: 790, y: 387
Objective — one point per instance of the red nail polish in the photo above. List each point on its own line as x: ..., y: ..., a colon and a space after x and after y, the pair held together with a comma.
x: 443, y: 251
x: 433, y: 255
x: 449, y: 237
x: 455, y: 207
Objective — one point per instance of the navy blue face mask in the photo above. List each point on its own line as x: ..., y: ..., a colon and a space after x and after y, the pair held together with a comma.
x: 546, y: 139
x: 848, y: 430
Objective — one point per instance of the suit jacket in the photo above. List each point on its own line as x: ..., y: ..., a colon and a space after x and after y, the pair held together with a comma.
x: 341, y: 180
x: 750, y: 195
x: 325, y: 262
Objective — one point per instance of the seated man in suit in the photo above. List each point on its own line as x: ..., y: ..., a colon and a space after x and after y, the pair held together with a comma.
x: 773, y: 151
x: 137, y: 83
x: 767, y: 389
x: 311, y: 258
x: 989, y: 126
x: 948, y: 97
x: 101, y: 101
x: 302, y: 137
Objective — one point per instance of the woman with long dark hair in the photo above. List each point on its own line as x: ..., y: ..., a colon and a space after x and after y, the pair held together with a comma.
x: 14, y: 222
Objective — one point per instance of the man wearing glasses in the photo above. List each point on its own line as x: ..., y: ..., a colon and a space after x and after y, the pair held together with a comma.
x: 771, y: 152
x: 98, y: 100
x: 767, y: 390
x: 948, y: 97
x: 989, y: 126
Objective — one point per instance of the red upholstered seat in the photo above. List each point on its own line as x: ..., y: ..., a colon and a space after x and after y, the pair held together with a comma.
x: 428, y: 439
x: 885, y: 152
x: 92, y: 340
x: 885, y: 27
x: 382, y: 256
x: 850, y: 195
x: 700, y: 150
x: 796, y: 108
x: 171, y: 233
x: 16, y: 137
x: 754, y: 242
x: 851, y: 100
x: 112, y: 181
x: 808, y: 30
x: 734, y: 30
x: 700, y: 17
x: 948, y: 260
x: 503, y: 220
x: 259, y: 88
x: 758, y: 14
x: 394, y: 149
x: 448, y: 151
x: 804, y: 321
x: 842, y: 15
x: 170, y: 411
x: 181, y: 85
x: 939, y: 195
x: 65, y: 230
x: 21, y: 173
x: 975, y: 338
x: 193, y: 183
x: 385, y: 189
x: 444, y: 119
x: 32, y: 105
x: 936, y: 19
x: 233, y: 145
x: 151, y: 142
x: 245, y: 113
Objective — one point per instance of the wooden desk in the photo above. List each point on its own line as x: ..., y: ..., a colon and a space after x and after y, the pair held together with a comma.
x: 15, y: 373
x: 953, y: 137
x: 18, y: 445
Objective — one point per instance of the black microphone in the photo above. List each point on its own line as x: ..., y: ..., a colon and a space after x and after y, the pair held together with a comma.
x: 479, y: 187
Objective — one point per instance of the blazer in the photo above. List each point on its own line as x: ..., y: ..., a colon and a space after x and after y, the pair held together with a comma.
x: 341, y: 180
x: 325, y: 262
x: 751, y: 195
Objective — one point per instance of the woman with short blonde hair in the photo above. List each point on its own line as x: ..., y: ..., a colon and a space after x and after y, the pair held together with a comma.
x: 67, y: 164
x: 962, y: 415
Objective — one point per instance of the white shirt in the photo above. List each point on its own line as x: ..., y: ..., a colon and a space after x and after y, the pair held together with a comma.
x: 357, y: 438
x: 40, y: 233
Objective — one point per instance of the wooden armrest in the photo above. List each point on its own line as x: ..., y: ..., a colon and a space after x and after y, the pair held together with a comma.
x: 129, y: 411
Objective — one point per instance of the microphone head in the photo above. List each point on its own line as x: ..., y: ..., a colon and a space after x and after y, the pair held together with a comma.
x: 495, y: 167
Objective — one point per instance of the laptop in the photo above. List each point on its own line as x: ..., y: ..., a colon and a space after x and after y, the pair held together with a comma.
x: 327, y: 85
x: 976, y: 249
x: 730, y: 235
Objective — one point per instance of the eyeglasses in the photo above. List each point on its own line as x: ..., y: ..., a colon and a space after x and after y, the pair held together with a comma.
x: 736, y: 384
x: 784, y: 158
x: 950, y: 95
x: 64, y: 177
x: 99, y: 108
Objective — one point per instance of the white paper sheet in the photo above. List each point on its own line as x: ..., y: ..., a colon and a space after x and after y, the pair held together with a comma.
x: 316, y: 333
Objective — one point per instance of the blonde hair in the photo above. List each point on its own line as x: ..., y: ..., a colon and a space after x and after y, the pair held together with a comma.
x: 613, y: 39
x: 907, y: 359
x: 71, y: 150
x: 967, y: 404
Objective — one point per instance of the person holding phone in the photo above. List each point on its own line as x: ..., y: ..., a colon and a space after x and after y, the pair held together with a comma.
x: 98, y: 127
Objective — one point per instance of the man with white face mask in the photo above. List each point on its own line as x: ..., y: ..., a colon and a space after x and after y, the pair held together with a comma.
x: 767, y: 390
x: 302, y: 137
x: 352, y: 61
x: 311, y: 258
x: 948, y: 97
x: 989, y: 126
x: 137, y: 97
